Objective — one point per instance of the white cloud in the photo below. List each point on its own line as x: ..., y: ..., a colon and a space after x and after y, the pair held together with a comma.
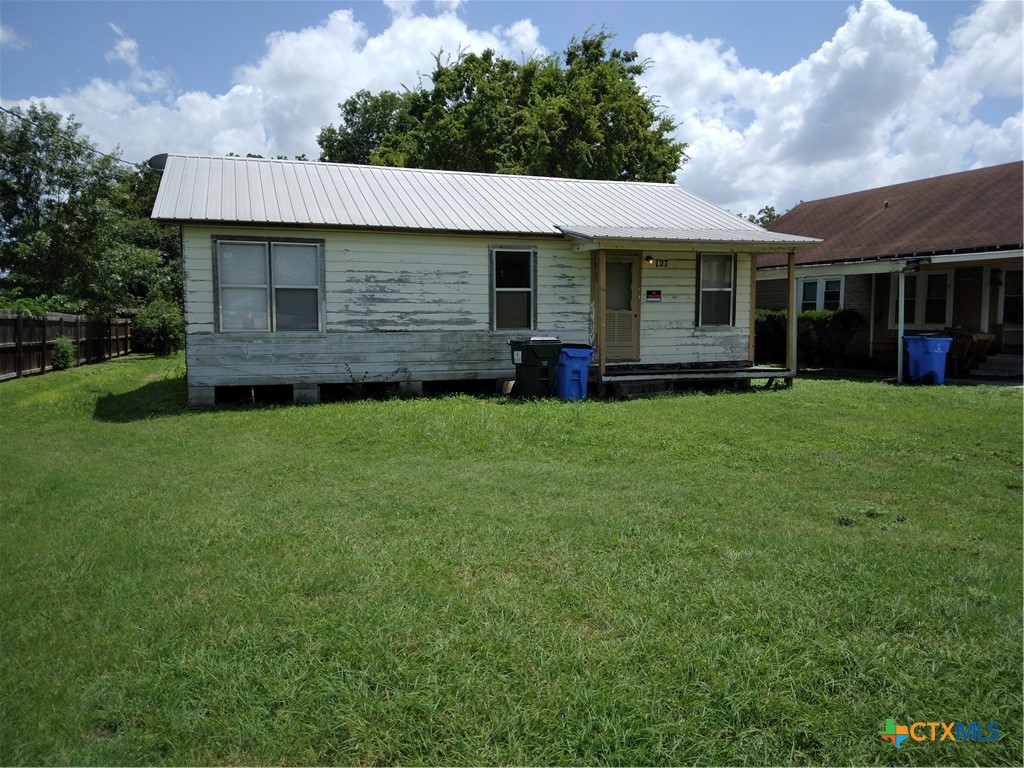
x: 9, y: 40
x: 278, y: 104
x: 401, y: 9
x: 448, y: 6
x: 870, y: 107
x: 126, y: 50
x: 988, y: 50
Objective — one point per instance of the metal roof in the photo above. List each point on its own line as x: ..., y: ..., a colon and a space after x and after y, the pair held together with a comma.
x: 240, y: 190
x: 738, y: 235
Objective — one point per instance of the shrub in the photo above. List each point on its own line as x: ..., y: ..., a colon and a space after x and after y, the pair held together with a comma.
x: 159, y: 328
x: 770, y: 336
x: 823, y: 336
x: 64, y: 354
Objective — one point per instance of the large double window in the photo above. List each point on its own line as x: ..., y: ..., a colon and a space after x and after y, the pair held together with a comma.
x: 821, y: 293
x: 717, y: 288
x: 513, y: 289
x: 268, y: 286
x: 928, y: 300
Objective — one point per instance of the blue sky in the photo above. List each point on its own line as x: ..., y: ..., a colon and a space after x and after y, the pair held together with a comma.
x: 778, y: 100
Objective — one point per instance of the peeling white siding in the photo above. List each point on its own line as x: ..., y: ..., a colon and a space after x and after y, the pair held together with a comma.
x: 417, y: 307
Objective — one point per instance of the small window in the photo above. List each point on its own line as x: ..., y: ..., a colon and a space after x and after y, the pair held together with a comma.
x: 832, y: 293
x: 265, y: 286
x: 909, y: 299
x: 809, y: 295
x: 513, y: 289
x: 821, y: 293
x: 1013, y: 293
x: 716, y: 289
x: 935, y: 300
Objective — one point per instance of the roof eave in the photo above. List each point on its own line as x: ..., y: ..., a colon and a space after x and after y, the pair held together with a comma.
x: 586, y: 242
x: 235, y: 224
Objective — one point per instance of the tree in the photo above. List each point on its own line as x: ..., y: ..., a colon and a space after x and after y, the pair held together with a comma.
x: 582, y: 115
x: 366, y: 118
x: 75, y: 231
x: 52, y: 184
x: 764, y: 217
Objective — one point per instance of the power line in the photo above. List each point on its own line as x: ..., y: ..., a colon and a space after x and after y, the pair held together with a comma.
x: 78, y: 144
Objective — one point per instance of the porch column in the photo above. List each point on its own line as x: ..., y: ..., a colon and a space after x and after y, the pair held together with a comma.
x: 901, y: 302
x: 871, y: 320
x: 791, y: 312
x: 753, y: 306
x: 602, y: 295
x: 986, y: 298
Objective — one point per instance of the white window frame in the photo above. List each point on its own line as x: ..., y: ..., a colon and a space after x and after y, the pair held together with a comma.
x: 531, y: 289
x: 920, y: 295
x: 1001, y: 307
x: 731, y: 290
x: 268, y: 245
x: 819, y: 301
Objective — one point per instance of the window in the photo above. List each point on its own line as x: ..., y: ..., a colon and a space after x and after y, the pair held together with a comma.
x: 928, y: 300
x: 1013, y: 297
x: 267, y: 286
x: 821, y: 293
x: 513, y: 286
x: 716, y: 288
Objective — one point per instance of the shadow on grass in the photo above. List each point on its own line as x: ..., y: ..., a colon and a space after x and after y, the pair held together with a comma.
x: 165, y: 397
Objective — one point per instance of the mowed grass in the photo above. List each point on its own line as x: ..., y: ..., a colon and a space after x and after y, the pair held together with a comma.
x: 753, y: 578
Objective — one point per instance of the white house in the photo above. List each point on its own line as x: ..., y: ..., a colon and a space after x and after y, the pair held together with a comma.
x: 306, y: 274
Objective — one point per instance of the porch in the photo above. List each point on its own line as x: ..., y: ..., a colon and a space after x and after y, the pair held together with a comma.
x: 630, y: 379
x: 643, y: 300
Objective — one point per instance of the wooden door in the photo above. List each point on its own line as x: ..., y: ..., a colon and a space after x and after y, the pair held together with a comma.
x: 622, y: 308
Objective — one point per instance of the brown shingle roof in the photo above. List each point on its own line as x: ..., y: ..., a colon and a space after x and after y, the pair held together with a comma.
x: 979, y: 209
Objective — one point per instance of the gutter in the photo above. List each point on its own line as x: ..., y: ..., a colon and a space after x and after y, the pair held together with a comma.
x: 883, y: 265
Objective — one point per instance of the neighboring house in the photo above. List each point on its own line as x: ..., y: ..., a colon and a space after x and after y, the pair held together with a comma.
x: 307, y: 274
x: 954, y: 241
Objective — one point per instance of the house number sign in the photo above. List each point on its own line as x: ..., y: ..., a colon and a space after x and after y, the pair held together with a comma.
x: 661, y: 262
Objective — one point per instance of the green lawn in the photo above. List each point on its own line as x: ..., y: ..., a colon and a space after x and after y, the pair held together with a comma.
x: 752, y: 578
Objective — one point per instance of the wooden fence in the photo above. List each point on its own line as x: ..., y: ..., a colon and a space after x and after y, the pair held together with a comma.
x: 26, y: 341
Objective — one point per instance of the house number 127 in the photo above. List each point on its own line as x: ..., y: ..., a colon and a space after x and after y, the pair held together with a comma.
x: 661, y: 262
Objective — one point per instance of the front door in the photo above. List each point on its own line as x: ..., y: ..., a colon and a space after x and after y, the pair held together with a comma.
x: 622, y: 308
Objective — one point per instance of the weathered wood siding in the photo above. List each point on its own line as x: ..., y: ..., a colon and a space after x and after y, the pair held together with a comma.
x: 415, y: 307
x: 668, y: 332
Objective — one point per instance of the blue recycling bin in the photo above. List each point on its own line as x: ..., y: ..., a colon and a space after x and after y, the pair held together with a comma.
x: 572, y: 371
x: 927, y: 358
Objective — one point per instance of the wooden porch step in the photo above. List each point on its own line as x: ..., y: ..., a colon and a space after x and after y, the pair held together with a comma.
x: 1000, y: 366
x: 704, y: 374
x: 632, y: 390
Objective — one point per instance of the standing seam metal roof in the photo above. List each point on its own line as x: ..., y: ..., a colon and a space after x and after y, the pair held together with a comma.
x: 282, y: 192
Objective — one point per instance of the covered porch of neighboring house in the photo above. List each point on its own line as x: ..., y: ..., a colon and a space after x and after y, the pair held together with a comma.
x: 979, y: 308
x: 972, y: 297
x: 672, y: 312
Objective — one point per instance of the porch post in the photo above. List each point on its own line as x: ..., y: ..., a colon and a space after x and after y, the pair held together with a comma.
x: 899, y: 326
x: 602, y: 295
x: 986, y: 297
x: 871, y: 320
x: 753, y: 306
x: 791, y: 312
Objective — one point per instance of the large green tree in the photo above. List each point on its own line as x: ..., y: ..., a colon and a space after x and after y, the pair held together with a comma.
x: 366, y: 118
x: 578, y: 115
x: 75, y: 231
